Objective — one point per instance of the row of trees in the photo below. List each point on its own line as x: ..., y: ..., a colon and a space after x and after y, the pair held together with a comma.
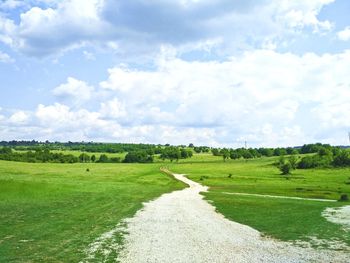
x: 268, y: 152
x: 38, y: 156
x: 45, y: 156
x: 326, y: 157
x: 139, y: 156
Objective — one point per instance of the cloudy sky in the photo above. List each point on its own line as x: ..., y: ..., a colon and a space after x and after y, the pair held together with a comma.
x: 210, y: 72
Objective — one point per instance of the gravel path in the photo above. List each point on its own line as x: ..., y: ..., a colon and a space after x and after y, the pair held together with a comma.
x: 281, y: 197
x: 181, y: 227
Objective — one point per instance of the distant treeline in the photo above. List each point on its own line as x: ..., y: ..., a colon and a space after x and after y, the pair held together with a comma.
x: 37, y: 156
x: 322, y: 155
x: 80, y: 146
x: 268, y: 152
x: 327, y: 156
x: 137, y: 156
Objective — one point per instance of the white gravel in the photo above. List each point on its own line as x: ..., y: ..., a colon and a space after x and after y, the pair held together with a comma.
x: 181, y: 227
x: 281, y: 197
x: 338, y: 215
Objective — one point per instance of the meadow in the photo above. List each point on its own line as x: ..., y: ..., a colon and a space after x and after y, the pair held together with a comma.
x: 52, y: 212
x: 285, y: 219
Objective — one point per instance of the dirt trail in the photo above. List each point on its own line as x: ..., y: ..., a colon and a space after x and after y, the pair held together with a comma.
x: 182, y: 227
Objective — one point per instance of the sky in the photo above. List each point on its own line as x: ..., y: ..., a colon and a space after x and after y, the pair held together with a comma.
x: 209, y: 72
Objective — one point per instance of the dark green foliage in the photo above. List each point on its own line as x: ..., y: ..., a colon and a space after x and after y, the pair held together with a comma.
x: 313, y: 148
x: 215, y: 152
x: 174, y: 153
x: 103, y: 159
x: 342, y: 159
x: 344, y: 197
x: 326, y: 157
x: 285, y: 168
x: 84, y: 158
x: 186, y: 153
x: 293, y: 160
x: 138, y: 157
x: 279, y: 151
x: 225, y: 154
x: 38, y: 156
x: 78, y: 146
x: 234, y: 155
x: 115, y: 160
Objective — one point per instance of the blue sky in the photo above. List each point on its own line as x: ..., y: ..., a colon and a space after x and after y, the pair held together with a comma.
x: 219, y: 72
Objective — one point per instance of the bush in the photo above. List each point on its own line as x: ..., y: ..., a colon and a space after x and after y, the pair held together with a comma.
x: 342, y: 159
x: 344, y: 198
x: 285, y: 168
x: 138, y: 157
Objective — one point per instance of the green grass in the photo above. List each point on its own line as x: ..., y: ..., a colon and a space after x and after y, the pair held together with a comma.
x: 280, y: 218
x: 51, y: 212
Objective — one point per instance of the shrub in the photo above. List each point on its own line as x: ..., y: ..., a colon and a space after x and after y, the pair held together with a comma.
x: 285, y: 168
x: 344, y: 197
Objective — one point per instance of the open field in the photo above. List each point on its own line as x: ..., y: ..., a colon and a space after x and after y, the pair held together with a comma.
x: 286, y: 219
x: 52, y: 212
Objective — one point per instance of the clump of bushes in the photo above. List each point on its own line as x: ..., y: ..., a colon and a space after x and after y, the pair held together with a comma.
x: 287, y: 165
x: 326, y: 157
x: 344, y: 197
x: 203, y: 177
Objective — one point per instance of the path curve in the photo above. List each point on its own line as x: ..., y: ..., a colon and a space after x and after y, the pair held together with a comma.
x: 181, y: 227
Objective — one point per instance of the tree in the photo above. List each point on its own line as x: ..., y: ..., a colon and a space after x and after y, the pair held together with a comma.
x: 84, y: 158
x: 103, y: 158
x: 225, y: 154
x: 234, y: 155
x: 140, y: 156
x: 184, y: 153
x: 293, y: 160
x: 285, y: 168
x: 215, y: 152
x: 93, y: 158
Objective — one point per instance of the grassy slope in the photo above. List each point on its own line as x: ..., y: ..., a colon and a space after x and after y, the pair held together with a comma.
x: 283, y: 219
x: 51, y: 212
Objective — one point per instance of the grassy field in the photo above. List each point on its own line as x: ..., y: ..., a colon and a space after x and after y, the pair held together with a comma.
x: 52, y: 212
x: 281, y: 218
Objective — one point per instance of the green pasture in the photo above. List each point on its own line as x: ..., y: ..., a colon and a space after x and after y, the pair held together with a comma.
x: 284, y: 219
x: 52, y: 212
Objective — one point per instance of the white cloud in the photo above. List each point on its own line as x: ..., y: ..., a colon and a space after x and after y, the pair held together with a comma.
x: 74, y: 90
x: 240, y: 95
x: 5, y: 58
x: 344, y: 35
x: 299, y: 14
x: 45, y: 31
x: 112, y: 109
x: 263, y: 97
x: 19, y: 118
x: 142, y: 27
x: 11, y: 4
x: 7, y: 30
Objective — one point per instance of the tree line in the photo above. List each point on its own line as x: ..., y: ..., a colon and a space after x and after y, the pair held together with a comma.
x: 136, y: 156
